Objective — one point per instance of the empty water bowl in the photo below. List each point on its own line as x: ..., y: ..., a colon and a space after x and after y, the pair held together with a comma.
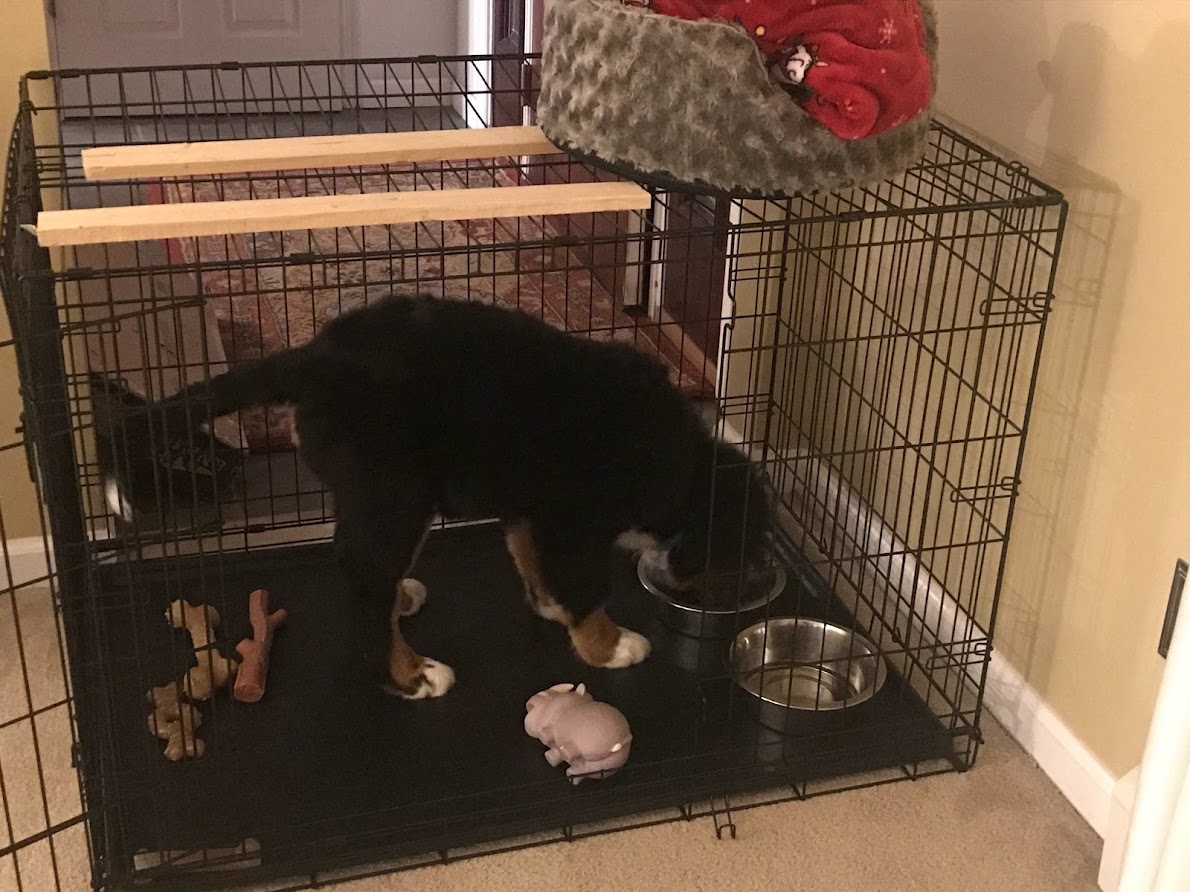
x: 799, y: 672
x: 721, y: 614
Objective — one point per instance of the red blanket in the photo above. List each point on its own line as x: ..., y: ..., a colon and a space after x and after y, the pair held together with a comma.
x: 858, y: 66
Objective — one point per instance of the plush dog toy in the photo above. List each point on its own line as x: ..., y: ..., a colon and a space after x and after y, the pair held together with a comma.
x: 173, y: 719
x: 213, y: 669
x: 592, y: 737
x: 175, y: 722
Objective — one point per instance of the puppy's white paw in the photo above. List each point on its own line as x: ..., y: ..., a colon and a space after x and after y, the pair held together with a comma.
x: 439, y: 678
x: 411, y: 597
x: 630, y: 650
x: 435, y: 680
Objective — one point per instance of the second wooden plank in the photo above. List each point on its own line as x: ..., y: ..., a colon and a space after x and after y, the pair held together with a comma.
x: 89, y: 226
x: 300, y: 152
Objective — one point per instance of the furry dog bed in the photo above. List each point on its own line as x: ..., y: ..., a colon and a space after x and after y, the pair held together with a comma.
x: 695, y: 95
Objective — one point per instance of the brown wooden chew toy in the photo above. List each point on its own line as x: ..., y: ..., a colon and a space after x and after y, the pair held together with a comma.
x: 254, y: 651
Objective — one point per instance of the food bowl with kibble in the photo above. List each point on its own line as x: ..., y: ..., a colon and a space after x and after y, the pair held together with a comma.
x: 800, y: 674
x: 720, y: 609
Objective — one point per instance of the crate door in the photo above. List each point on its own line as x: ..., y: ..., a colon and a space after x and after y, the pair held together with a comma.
x: 47, y: 840
x: 44, y: 843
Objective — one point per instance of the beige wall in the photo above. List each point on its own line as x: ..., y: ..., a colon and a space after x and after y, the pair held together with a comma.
x: 1095, y: 94
x: 22, y: 48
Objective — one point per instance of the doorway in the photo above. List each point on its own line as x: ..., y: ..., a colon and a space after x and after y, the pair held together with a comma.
x: 685, y: 295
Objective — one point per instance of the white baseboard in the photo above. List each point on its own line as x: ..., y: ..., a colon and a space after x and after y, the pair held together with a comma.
x: 28, y: 561
x: 1078, y: 774
x: 1112, y: 861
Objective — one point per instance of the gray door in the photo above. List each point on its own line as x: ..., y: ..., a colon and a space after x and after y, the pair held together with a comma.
x: 117, y: 33
x: 108, y: 33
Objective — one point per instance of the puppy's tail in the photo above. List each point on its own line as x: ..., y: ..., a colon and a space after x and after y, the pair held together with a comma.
x: 282, y: 377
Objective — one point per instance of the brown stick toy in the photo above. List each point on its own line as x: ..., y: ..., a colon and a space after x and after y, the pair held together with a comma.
x: 254, y: 651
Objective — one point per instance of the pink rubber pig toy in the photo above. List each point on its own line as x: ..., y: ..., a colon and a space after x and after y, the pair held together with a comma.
x: 589, y: 736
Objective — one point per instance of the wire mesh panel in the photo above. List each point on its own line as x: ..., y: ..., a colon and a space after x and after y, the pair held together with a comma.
x: 44, y: 842
x: 873, y: 352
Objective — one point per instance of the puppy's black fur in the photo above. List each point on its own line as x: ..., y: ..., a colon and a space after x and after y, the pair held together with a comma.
x: 415, y: 405
x: 139, y: 463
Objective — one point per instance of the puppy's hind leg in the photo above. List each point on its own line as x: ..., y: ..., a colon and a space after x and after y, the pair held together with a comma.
x: 411, y: 597
x: 518, y: 537
x: 411, y: 593
x: 376, y: 545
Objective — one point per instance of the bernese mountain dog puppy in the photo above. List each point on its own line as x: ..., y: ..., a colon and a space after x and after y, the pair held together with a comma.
x: 416, y: 406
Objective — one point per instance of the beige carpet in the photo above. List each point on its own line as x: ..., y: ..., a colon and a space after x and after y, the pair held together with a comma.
x: 1001, y: 827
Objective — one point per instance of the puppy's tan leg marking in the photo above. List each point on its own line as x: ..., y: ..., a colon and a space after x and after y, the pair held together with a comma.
x: 594, y: 638
x: 518, y: 538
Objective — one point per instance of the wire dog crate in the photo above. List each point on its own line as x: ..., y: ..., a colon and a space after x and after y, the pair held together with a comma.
x: 874, y: 351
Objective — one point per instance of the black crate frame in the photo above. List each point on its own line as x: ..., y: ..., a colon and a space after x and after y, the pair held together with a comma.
x: 845, y: 290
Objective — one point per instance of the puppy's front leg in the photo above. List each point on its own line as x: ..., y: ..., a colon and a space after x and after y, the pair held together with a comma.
x: 600, y: 642
x: 566, y: 574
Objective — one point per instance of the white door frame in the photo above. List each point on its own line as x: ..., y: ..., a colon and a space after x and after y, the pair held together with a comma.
x: 475, y: 39
x: 1154, y: 856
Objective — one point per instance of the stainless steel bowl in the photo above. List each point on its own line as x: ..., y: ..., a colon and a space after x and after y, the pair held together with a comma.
x: 698, y: 622
x: 797, y: 670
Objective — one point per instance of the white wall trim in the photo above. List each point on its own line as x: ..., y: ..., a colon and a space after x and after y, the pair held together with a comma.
x: 1123, y: 800
x: 1078, y: 774
x: 28, y: 560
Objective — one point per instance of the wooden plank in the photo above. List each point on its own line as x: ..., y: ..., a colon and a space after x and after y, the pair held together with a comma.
x: 90, y: 226
x: 297, y: 152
